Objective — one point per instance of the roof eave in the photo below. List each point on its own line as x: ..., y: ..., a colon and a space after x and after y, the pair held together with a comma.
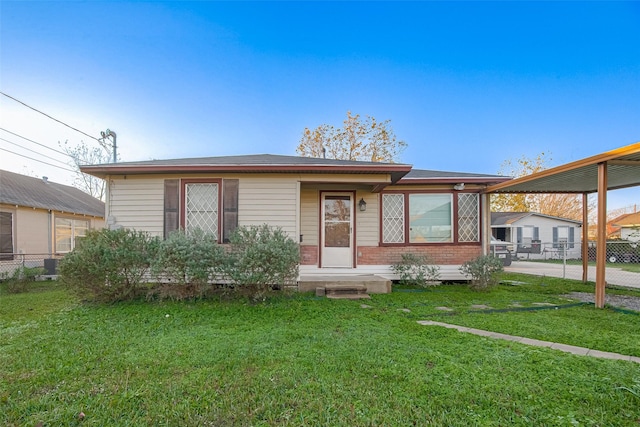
x: 102, y: 171
x: 454, y: 180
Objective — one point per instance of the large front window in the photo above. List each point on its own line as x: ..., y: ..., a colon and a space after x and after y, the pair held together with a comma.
x: 414, y: 218
x: 430, y: 218
x: 67, y: 231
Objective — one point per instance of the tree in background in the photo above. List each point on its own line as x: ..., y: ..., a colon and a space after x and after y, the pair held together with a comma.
x: 554, y: 204
x: 359, y: 139
x: 518, y: 202
x: 82, y: 155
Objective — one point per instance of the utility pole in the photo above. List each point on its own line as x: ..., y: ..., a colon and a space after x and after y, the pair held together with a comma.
x: 111, y: 134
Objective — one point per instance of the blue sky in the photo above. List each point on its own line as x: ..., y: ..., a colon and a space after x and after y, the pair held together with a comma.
x: 466, y: 84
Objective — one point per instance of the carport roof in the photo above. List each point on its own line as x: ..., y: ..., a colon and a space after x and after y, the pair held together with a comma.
x: 581, y: 176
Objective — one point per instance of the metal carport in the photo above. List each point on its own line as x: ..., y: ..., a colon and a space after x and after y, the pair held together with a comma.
x: 611, y: 170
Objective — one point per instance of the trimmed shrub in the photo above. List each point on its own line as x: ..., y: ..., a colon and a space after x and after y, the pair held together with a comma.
x: 108, y: 265
x: 484, y: 271
x: 260, y: 259
x: 416, y: 270
x: 185, y: 264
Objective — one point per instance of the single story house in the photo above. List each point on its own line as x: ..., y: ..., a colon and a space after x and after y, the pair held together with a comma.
x: 538, y: 236
x: 629, y: 226
x: 40, y: 219
x: 350, y: 217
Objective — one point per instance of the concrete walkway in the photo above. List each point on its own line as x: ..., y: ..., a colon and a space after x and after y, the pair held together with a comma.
x: 581, y: 351
x: 613, y: 275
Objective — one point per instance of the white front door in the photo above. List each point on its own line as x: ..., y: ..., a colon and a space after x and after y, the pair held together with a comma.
x: 337, y: 230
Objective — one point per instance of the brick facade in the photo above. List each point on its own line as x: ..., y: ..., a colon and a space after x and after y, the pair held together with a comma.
x: 437, y: 254
x: 445, y: 254
x: 308, y: 255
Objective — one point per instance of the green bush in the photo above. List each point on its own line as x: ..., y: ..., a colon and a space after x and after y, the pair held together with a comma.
x: 416, y: 270
x: 260, y: 259
x: 18, y: 281
x: 185, y: 263
x: 484, y: 271
x: 108, y: 265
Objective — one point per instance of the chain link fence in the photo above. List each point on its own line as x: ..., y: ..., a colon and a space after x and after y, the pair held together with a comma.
x: 565, y: 260
x: 10, y: 263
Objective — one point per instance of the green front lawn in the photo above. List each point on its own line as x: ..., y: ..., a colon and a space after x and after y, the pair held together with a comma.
x: 301, y: 360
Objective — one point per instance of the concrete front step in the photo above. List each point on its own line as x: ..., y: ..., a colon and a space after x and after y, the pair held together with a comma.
x: 345, y: 291
x: 373, y: 284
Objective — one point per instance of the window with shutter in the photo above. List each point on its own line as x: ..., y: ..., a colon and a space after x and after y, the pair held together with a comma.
x: 6, y: 236
x: 201, y: 207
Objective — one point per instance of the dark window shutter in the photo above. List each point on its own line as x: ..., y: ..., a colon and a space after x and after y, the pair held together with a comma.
x: 519, y: 235
x: 571, y: 237
x: 229, y: 208
x: 555, y: 237
x: 6, y: 236
x: 171, y: 206
x: 536, y: 233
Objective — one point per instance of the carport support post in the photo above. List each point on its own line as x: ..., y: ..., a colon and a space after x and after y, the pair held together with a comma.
x: 585, y: 236
x: 601, y: 241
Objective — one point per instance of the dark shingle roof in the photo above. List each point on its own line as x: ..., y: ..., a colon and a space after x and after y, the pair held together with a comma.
x: 254, y: 163
x: 251, y: 160
x: 21, y: 190
x: 427, y: 174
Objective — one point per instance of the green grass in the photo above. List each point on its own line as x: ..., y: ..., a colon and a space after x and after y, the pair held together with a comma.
x: 302, y: 360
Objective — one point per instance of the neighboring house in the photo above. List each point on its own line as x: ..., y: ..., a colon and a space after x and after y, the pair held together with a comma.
x: 629, y: 226
x: 538, y: 236
x: 350, y: 217
x: 40, y: 219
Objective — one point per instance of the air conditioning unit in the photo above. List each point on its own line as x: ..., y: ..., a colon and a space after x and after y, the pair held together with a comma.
x: 51, y: 267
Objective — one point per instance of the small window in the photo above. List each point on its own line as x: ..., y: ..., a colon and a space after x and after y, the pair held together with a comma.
x: 393, y: 218
x: 6, y: 236
x: 67, y: 232
x: 201, y: 207
x: 468, y: 217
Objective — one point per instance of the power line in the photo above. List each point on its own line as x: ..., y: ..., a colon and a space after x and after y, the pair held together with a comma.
x: 31, y: 140
x: 36, y: 160
x: 33, y: 151
x: 52, y: 118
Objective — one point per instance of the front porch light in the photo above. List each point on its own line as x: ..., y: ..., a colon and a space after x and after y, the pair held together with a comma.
x: 362, y: 205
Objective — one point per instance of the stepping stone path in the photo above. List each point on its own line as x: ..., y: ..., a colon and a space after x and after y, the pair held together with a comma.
x: 581, y: 351
x: 543, y: 303
x: 444, y: 309
x: 365, y: 306
x: 516, y: 304
x: 480, y: 306
x: 406, y: 310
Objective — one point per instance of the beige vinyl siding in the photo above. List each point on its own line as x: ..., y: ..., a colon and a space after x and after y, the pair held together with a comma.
x: 309, y: 213
x: 32, y: 231
x: 270, y: 200
x: 367, y: 223
x: 137, y: 203
x: 276, y: 199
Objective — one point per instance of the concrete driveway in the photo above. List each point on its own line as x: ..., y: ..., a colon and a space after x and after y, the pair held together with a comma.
x: 613, y: 275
